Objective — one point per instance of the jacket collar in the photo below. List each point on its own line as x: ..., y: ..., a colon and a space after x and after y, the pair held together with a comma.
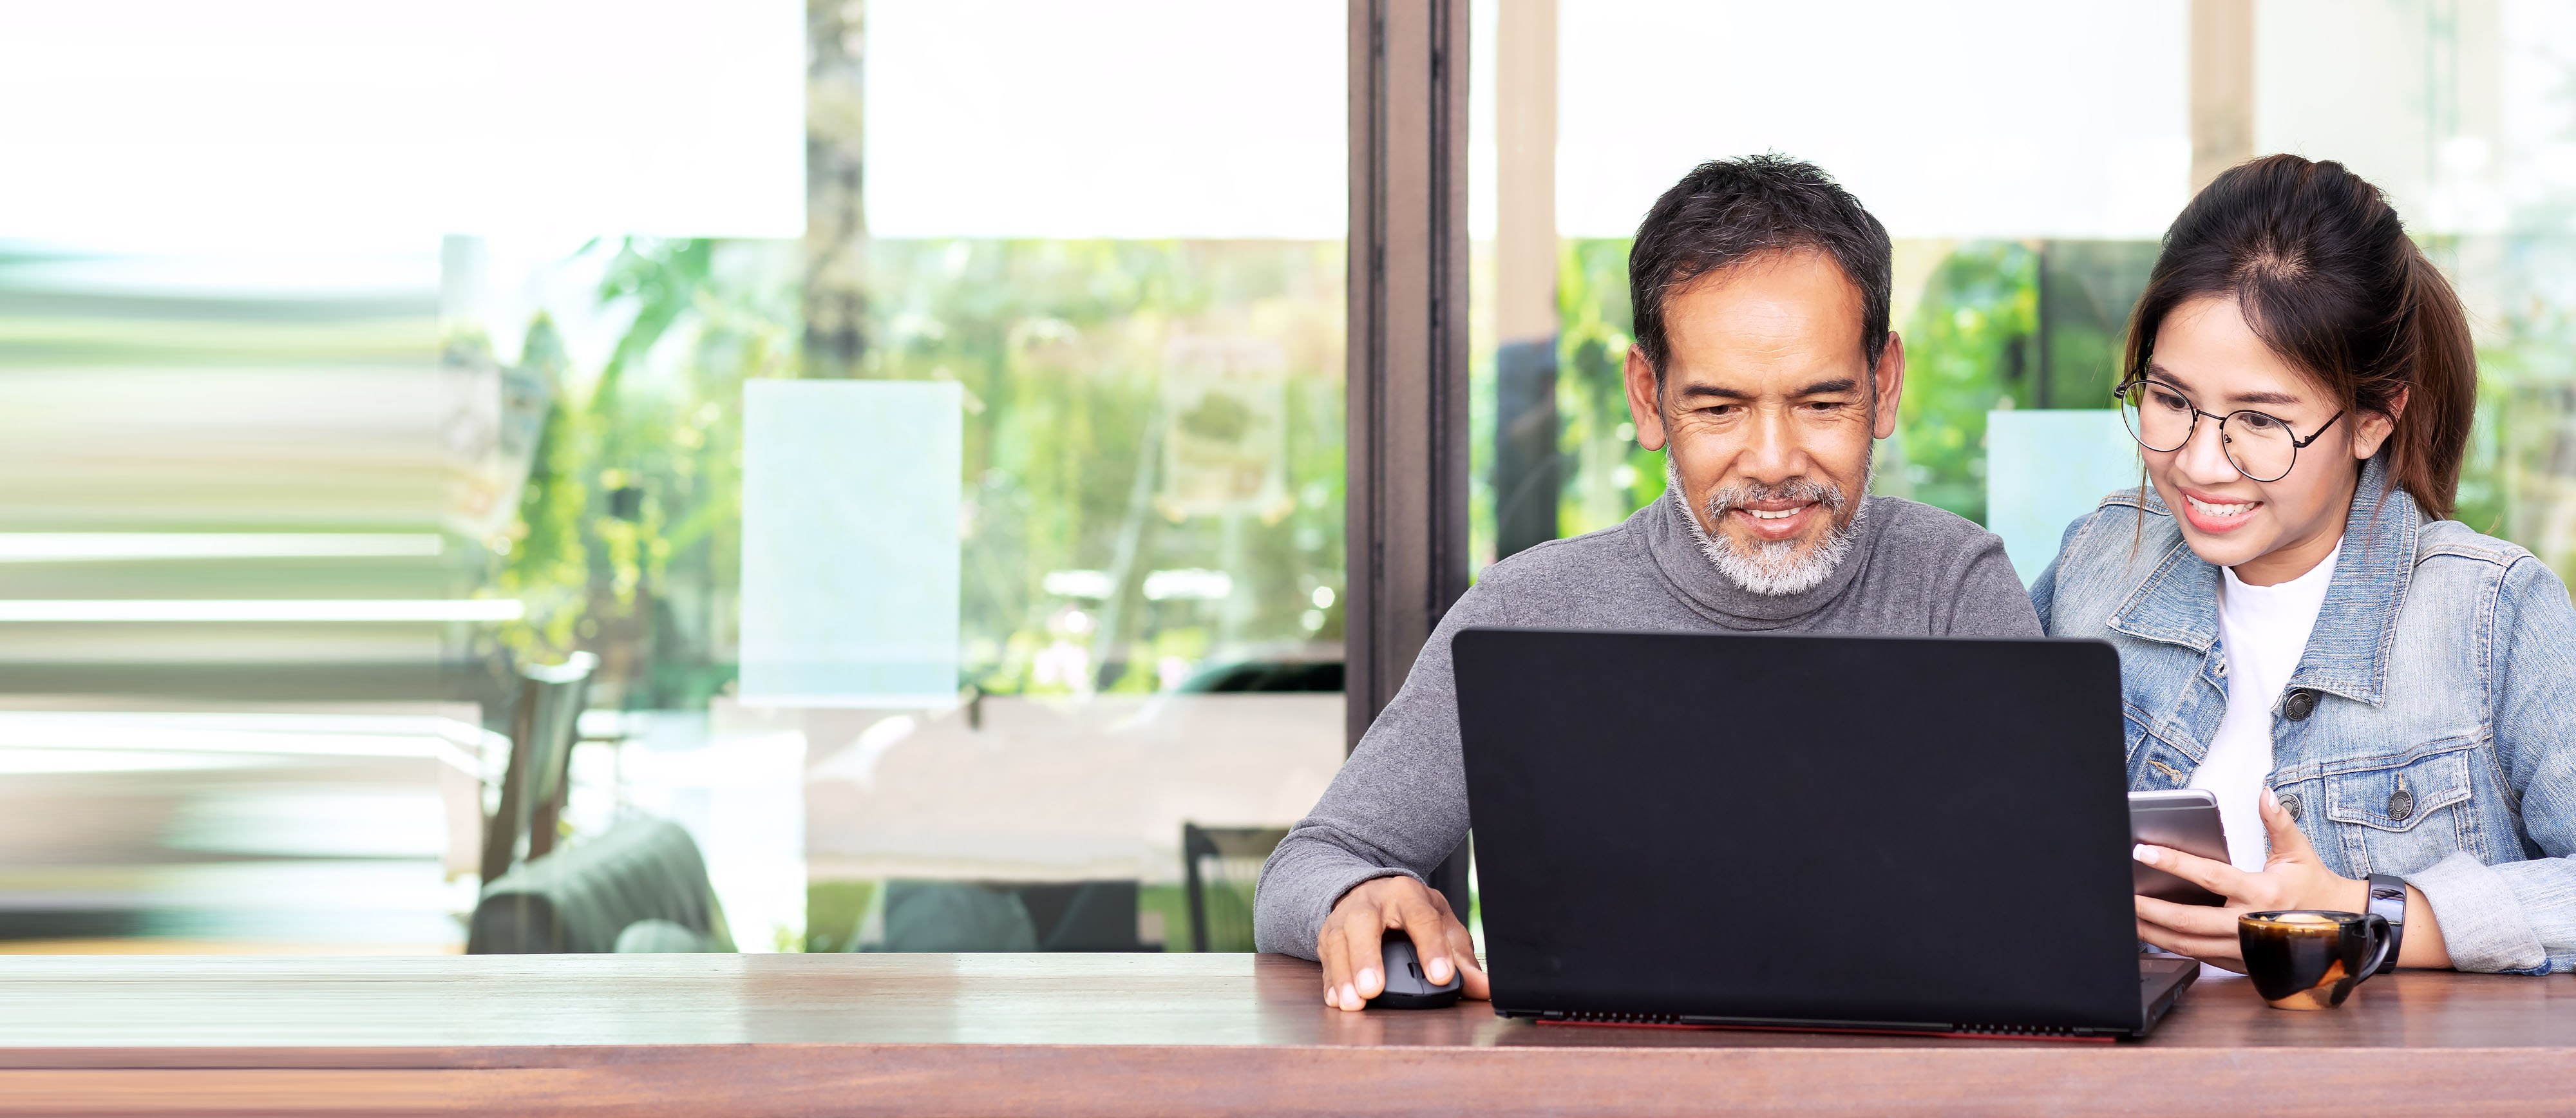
x: 2347, y: 655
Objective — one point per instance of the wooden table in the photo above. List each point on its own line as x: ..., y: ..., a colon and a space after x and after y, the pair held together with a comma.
x: 1151, y: 1034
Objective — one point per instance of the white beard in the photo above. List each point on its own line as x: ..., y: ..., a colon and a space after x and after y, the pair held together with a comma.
x: 1774, y: 568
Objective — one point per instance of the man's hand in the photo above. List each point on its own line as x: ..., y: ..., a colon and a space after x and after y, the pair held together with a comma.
x: 1350, y: 944
x: 2294, y: 877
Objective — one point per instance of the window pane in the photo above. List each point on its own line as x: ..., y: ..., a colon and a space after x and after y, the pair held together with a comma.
x: 922, y: 539
x: 2025, y: 157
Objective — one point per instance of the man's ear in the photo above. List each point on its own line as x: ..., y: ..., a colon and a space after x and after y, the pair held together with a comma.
x: 1889, y: 381
x: 1645, y: 400
x: 2370, y: 429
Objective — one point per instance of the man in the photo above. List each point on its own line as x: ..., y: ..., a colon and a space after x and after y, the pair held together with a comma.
x: 1765, y: 368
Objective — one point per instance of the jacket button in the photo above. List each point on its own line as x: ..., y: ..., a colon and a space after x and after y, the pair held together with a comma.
x: 2401, y: 803
x: 2302, y: 702
x: 2290, y: 803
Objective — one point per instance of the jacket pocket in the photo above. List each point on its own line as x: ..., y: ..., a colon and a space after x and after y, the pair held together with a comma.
x: 2397, y: 813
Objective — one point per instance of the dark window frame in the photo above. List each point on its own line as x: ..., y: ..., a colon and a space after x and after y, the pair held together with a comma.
x: 1407, y: 480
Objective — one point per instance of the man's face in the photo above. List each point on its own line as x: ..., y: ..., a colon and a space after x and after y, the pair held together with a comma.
x: 1766, y: 411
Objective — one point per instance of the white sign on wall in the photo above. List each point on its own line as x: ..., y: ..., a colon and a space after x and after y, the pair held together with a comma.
x: 850, y: 514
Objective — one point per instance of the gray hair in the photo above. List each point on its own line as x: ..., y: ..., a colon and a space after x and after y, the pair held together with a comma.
x: 1727, y: 211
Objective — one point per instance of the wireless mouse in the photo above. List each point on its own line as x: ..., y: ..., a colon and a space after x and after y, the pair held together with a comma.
x: 1406, y: 986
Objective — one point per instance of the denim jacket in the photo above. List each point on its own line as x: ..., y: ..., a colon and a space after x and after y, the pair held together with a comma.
x: 2429, y: 730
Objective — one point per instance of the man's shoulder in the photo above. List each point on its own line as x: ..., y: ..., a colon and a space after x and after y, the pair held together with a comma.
x: 1952, y: 567
x: 1551, y: 562
x: 1596, y: 578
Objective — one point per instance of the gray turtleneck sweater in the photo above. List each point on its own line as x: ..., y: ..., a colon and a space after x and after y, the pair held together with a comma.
x: 1399, y: 804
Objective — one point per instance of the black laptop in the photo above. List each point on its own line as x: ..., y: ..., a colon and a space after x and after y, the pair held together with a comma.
x: 1809, y: 832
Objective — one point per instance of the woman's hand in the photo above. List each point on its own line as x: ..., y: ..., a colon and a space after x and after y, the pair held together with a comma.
x: 2294, y: 877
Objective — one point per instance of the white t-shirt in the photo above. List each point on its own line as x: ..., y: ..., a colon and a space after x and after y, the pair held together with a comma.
x: 2262, y: 630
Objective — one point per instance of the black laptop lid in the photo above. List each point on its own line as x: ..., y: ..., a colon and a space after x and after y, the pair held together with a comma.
x: 1909, y: 832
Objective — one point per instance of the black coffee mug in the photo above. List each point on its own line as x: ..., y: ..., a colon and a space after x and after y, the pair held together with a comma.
x: 2307, y: 959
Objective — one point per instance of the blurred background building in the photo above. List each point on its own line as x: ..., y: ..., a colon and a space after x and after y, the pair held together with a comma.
x: 385, y: 534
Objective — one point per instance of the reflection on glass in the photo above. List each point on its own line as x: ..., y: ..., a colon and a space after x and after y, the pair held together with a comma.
x: 1151, y: 586
x: 380, y: 498
x: 1153, y: 449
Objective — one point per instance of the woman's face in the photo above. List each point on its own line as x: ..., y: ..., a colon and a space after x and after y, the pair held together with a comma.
x: 2207, y: 357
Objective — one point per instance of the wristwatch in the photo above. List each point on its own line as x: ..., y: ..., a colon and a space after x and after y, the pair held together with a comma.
x: 2388, y: 899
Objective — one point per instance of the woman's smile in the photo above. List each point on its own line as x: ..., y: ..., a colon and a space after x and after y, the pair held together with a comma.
x: 2214, y: 514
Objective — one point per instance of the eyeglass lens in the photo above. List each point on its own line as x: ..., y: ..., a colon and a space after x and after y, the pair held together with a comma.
x: 2260, y: 446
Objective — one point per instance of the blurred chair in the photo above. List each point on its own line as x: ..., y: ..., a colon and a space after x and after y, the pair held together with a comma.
x: 661, y: 937
x: 1083, y: 915
x: 543, y: 725
x: 639, y: 887
x: 1219, y: 866
x: 956, y: 916
x: 1003, y: 916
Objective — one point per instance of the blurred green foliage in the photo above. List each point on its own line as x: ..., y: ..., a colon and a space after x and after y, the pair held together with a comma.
x: 627, y: 539
x: 1965, y: 355
x: 834, y: 913
x: 1611, y: 476
x: 1062, y: 348
x: 2517, y: 481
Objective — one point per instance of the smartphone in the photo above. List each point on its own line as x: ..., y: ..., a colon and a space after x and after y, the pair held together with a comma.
x: 2185, y: 819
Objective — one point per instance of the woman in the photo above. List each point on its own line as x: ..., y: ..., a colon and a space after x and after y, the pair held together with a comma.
x: 2382, y: 700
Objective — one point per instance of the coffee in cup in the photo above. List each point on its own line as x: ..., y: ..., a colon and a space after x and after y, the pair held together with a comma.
x: 2309, y: 959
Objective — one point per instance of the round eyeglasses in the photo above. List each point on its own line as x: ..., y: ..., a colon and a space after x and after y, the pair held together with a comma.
x: 2261, y: 447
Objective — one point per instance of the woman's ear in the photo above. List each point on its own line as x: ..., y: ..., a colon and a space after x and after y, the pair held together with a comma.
x: 2370, y: 429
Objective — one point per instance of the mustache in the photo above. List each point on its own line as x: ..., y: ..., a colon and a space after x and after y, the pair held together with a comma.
x: 1727, y: 498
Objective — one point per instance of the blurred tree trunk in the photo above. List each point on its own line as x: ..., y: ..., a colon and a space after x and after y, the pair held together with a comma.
x: 835, y: 230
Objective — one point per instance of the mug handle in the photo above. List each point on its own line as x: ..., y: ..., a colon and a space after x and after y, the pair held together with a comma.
x: 2385, y: 936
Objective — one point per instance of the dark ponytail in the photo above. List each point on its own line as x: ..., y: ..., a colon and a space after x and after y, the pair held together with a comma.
x: 2424, y: 451
x: 2324, y: 272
